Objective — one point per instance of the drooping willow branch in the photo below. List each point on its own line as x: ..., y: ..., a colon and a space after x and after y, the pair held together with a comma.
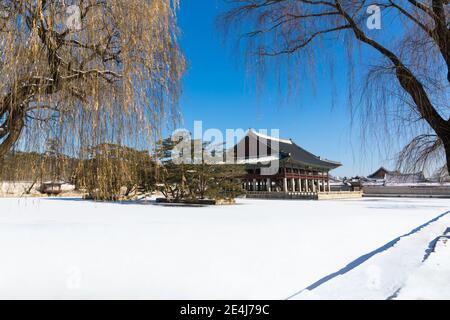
x: 415, y: 65
x: 124, y: 60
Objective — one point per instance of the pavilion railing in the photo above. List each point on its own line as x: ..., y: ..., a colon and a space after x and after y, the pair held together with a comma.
x: 281, y: 195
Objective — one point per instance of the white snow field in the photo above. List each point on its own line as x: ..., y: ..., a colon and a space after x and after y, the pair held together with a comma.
x: 432, y: 279
x: 257, y: 249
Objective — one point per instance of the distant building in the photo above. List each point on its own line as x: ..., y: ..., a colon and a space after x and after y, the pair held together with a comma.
x: 298, y: 170
x: 356, y: 183
x: 339, y: 185
x: 380, y: 174
x: 404, y: 178
x: 387, y: 177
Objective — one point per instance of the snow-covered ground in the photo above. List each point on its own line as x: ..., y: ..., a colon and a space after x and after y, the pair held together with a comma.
x: 258, y: 249
x: 432, y: 279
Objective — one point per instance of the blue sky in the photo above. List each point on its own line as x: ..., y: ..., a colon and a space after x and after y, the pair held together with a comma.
x: 218, y: 91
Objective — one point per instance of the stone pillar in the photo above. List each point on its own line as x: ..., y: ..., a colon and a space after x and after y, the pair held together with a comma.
x: 254, y: 184
x: 285, y: 185
x: 313, y: 185
x: 323, y: 185
x: 293, y: 184
x: 299, y: 181
x: 269, y: 185
x: 328, y: 182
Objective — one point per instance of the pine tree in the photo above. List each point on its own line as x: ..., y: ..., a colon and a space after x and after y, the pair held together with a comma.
x: 198, y: 177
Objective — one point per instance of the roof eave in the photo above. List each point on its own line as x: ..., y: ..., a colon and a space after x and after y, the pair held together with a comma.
x: 327, y: 165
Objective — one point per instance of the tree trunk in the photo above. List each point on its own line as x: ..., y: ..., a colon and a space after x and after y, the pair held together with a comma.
x: 12, y: 111
x: 14, y: 129
x: 409, y: 83
x: 446, y: 141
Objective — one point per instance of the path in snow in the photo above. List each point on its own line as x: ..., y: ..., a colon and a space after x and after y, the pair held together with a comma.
x: 432, y: 279
x: 382, y: 273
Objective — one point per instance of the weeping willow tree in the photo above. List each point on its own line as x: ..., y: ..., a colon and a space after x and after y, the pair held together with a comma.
x: 403, y: 75
x: 114, y: 172
x: 86, y: 73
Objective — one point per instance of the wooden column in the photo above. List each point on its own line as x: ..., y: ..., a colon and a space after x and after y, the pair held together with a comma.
x: 323, y: 182
x: 328, y: 182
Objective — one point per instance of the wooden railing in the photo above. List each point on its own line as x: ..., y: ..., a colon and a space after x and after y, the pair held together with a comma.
x: 282, y: 195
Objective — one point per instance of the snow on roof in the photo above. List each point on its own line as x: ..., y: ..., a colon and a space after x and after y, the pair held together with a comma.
x: 258, y: 160
x: 288, y: 148
x: 254, y: 132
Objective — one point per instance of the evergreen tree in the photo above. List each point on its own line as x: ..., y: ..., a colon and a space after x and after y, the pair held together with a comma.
x: 200, y: 176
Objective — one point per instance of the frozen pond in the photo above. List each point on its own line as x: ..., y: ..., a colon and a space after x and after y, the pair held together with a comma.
x: 257, y: 249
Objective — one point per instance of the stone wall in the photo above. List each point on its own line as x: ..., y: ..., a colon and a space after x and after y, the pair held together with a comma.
x: 18, y: 189
x: 407, y: 191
